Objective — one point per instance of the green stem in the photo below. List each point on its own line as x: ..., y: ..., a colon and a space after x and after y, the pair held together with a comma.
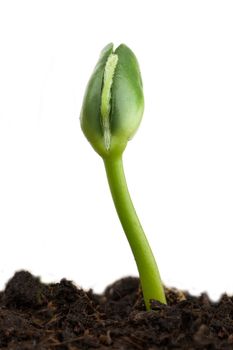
x: 149, y: 274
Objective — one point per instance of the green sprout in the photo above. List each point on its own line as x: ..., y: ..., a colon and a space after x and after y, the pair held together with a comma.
x: 111, y: 113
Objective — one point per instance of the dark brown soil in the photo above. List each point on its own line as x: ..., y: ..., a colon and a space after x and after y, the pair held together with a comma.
x: 60, y: 316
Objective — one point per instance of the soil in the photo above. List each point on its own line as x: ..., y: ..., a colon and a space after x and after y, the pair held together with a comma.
x: 61, y: 316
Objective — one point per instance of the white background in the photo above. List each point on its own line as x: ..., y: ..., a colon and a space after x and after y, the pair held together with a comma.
x: 56, y: 214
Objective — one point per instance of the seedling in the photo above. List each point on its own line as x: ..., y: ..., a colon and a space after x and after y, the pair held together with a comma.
x: 111, y: 113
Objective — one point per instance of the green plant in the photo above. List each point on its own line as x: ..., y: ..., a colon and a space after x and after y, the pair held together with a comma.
x: 111, y: 113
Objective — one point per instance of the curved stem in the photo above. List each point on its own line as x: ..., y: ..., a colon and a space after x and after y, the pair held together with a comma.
x: 149, y: 274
